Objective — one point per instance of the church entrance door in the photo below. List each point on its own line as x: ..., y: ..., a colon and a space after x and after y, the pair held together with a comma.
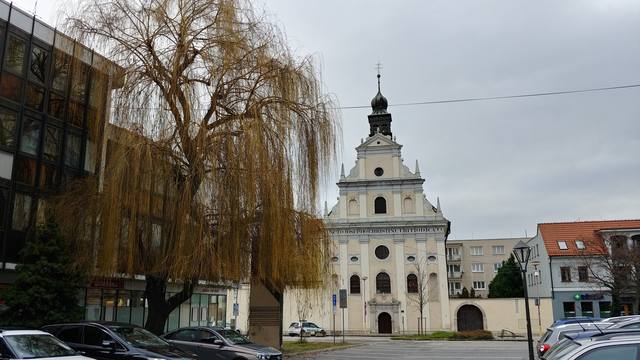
x: 384, y: 323
x: 469, y: 318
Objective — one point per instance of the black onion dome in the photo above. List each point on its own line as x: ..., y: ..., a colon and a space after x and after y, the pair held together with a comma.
x: 379, y: 104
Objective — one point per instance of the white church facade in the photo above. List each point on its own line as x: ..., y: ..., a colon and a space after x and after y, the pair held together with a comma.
x: 386, y: 236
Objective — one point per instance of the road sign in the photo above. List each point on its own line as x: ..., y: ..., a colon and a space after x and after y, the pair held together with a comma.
x: 343, y: 298
x: 236, y: 309
x: 334, y: 300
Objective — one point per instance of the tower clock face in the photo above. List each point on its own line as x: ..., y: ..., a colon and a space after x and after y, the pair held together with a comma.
x: 378, y: 171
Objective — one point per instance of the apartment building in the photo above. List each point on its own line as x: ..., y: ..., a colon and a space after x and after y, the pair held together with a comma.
x: 472, y: 263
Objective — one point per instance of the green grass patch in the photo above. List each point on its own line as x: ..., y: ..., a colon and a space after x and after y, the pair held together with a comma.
x: 296, y: 346
x: 449, y: 335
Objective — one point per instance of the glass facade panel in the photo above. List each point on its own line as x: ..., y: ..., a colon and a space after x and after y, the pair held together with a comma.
x: 14, y: 54
x: 109, y: 304
x: 92, y: 307
x: 25, y: 170
x: 35, y: 97
x: 30, y: 139
x: 195, y: 310
x: 52, y: 139
x: 38, y: 65
x: 60, y: 71
x: 76, y: 113
x: 21, y: 19
x: 21, y: 211
x: 43, y: 32
x: 56, y: 105
x: 10, y: 86
x: 137, y: 307
x: 4, y: 203
x: 48, y: 176
x: 72, y: 151
x: 222, y: 311
x: 79, y: 81
x: 7, y: 127
x: 124, y: 306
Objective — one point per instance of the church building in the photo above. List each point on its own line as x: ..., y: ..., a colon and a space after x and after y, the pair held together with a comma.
x: 388, y: 240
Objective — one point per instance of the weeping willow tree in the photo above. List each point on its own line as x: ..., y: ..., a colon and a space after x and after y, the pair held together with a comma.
x: 219, y: 140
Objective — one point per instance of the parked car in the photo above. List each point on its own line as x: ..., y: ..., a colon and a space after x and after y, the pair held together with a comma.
x: 632, y: 323
x: 618, y: 319
x: 219, y: 343
x: 574, y: 320
x: 606, y: 344
x: 116, y: 341
x: 556, y: 333
x: 31, y: 344
x: 305, y: 328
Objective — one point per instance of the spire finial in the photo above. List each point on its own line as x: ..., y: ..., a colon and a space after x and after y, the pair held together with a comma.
x: 438, y: 207
x: 417, y: 172
x: 378, y: 68
x: 342, y: 171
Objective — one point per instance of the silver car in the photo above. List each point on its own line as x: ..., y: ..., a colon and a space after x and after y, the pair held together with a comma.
x: 557, y: 333
x: 215, y: 343
x: 618, y: 345
x: 305, y: 328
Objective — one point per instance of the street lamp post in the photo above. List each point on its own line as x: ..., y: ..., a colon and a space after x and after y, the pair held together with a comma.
x: 364, y: 301
x: 522, y: 253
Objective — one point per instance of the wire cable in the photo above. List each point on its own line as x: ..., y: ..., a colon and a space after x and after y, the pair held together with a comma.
x: 549, y: 93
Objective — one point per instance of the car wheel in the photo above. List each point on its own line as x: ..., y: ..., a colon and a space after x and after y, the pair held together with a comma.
x: 323, y: 333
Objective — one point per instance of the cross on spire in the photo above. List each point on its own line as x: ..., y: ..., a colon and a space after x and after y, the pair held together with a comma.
x: 378, y: 68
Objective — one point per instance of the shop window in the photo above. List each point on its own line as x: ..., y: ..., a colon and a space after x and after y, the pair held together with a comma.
x: 38, y: 66
x: 605, y: 309
x: 7, y: 128
x: 380, y: 205
x: 587, y: 308
x: 14, y: 54
x: 35, y: 97
x: 72, y: 150
x: 354, y: 284
x: 21, y: 211
x: 569, y: 309
x: 25, y: 170
x: 60, y: 70
x: 10, y: 86
x: 52, y: 139
x: 412, y: 284
x: 123, y: 313
x: 30, y: 136
x: 56, y: 105
x: 93, y: 310
x: 383, y: 283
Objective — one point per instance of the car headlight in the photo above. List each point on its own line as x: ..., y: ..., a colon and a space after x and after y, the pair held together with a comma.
x: 263, y: 356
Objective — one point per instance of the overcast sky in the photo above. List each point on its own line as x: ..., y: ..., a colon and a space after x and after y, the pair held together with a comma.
x: 499, y: 167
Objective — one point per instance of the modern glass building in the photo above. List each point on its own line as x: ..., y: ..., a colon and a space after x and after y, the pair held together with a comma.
x: 54, y: 101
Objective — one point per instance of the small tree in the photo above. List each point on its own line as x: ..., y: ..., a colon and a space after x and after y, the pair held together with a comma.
x: 508, y: 281
x: 421, y: 296
x: 465, y: 293
x: 472, y: 293
x: 47, y: 283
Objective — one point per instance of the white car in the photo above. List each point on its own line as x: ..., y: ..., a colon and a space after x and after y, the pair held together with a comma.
x: 305, y: 328
x: 35, y: 344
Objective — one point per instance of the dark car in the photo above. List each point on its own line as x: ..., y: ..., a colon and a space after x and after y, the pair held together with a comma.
x: 217, y: 343
x: 116, y: 341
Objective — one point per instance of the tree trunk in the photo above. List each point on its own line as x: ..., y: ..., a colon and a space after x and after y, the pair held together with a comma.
x: 159, y: 306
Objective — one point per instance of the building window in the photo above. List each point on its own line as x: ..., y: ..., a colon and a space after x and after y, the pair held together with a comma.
x: 498, y: 250
x: 605, y: 309
x: 21, y: 211
x: 60, y: 70
x: 587, y: 308
x: 354, y: 284
x: 453, y: 268
x: 565, y: 274
x: 497, y: 266
x: 455, y: 288
x: 477, y: 251
x: 583, y: 274
x: 569, y: 309
x: 7, y: 127
x: 35, y: 97
x: 580, y: 244
x: 335, y: 259
x: 72, y: 151
x: 412, y: 284
x: 382, y: 252
x: 383, y: 283
x: 411, y: 258
x: 354, y: 259
x: 479, y: 285
x: 380, y: 205
x: 30, y: 136
x: 37, y: 69
x: 14, y: 54
x: 562, y: 245
x: 10, y: 86
x: 477, y: 267
x: 52, y: 139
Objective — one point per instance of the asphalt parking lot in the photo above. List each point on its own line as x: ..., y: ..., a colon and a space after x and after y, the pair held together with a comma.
x: 432, y: 350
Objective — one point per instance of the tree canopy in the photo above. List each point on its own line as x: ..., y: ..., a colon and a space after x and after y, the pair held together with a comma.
x: 508, y: 281
x: 222, y: 138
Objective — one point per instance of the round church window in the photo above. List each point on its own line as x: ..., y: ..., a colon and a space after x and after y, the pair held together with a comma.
x: 432, y: 258
x: 411, y: 258
x: 382, y: 252
x: 378, y: 171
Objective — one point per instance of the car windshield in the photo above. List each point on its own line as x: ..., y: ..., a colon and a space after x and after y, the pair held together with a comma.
x: 37, y: 346
x: 138, y: 336
x: 233, y: 337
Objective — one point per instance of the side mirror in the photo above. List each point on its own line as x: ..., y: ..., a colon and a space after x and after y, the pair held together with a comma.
x: 109, y: 344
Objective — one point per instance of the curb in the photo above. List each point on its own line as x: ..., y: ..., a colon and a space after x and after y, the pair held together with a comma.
x: 318, y: 351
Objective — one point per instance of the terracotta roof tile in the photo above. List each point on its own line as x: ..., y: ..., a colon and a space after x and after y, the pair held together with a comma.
x: 586, y: 231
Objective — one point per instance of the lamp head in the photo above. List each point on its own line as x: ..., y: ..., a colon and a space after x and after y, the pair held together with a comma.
x: 522, y: 252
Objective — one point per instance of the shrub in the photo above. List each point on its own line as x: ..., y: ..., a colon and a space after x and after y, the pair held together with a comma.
x: 473, y: 335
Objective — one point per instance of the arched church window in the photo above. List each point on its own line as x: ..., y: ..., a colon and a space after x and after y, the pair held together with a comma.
x: 354, y: 284
x: 383, y: 283
x: 380, y: 205
x: 408, y: 205
x: 412, y: 284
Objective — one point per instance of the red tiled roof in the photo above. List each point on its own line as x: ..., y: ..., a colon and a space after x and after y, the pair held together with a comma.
x: 586, y: 231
